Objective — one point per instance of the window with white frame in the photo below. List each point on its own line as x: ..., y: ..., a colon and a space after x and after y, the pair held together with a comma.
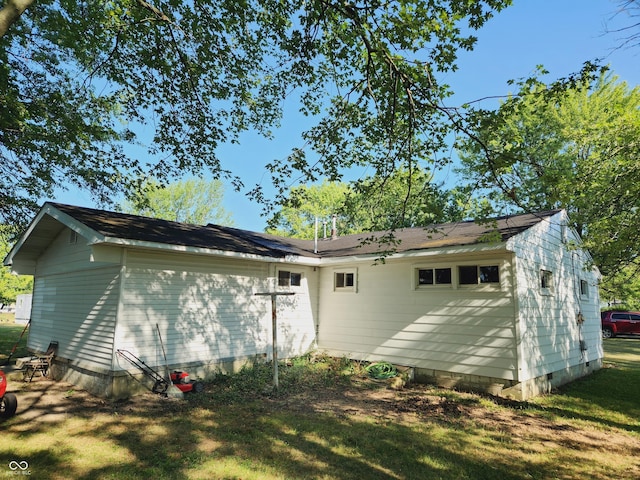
x: 546, y: 282
x: 584, y: 289
x: 289, y: 279
x: 478, y: 274
x: 344, y: 280
x: 433, y: 276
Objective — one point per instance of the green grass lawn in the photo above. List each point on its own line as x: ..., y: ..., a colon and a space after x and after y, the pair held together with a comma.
x: 329, y: 422
x: 9, y: 336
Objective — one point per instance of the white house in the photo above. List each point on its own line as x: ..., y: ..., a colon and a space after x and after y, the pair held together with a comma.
x: 511, y: 307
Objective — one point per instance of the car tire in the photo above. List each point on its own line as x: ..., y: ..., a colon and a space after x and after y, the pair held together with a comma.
x: 607, y: 333
x: 8, y: 405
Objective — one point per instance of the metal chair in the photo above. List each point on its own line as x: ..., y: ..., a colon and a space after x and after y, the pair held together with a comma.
x: 38, y: 363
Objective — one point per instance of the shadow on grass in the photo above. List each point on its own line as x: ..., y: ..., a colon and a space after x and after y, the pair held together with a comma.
x: 253, y: 440
x: 266, y: 445
x: 39, y: 463
x: 287, y: 436
x: 609, y: 396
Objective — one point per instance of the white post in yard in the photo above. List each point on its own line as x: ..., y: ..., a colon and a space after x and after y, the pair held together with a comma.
x: 274, y: 331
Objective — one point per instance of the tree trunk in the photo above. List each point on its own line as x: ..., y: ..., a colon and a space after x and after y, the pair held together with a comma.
x: 11, y: 12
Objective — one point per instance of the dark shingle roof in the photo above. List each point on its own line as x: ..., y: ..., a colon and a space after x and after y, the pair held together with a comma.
x: 154, y: 230
x: 145, y: 229
x: 434, y: 236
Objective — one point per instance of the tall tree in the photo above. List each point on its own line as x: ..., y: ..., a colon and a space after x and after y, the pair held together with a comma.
x: 630, y: 31
x: 11, y: 285
x: 403, y: 199
x: 297, y: 216
x: 80, y: 80
x: 580, y: 152
x: 192, y: 200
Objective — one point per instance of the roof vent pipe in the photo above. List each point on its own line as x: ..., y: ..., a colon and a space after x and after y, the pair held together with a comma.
x: 334, y: 230
x: 315, y: 237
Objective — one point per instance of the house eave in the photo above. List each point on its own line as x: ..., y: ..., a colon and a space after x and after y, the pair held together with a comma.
x: 477, y: 248
x: 137, y: 244
x: 22, y: 257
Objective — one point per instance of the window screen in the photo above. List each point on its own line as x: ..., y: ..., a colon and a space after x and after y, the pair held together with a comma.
x: 289, y: 279
x: 425, y: 276
x: 489, y: 274
x: 434, y: 276
x: 344, y: 280
x: 584, y: 288
x: 468, y: 275
x: 443, y: 276
x: 474, y: 274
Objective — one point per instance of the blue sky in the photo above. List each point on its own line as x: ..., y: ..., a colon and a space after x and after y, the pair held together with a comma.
x: 559, y: 34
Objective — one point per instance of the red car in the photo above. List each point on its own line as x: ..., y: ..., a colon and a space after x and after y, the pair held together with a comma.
x: 620, y: 323
x: 8, y: 401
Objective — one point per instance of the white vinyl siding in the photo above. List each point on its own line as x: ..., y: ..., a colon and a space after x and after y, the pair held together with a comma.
x: 550, y: 335
x: 206, y: 309
x: 458, y: 330
x: 297, y: 314
x: 75, y: 308
x: 63, y: 256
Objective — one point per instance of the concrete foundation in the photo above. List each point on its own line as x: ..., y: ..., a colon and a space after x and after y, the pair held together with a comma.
x: 507, y: 388
x: 120, y: 384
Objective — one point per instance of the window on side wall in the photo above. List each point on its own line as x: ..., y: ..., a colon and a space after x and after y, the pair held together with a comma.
x: 433, y: 276
x: 584, y: 289
x: 344, y: 281
x: 546, y: 282
x: 289, y: 279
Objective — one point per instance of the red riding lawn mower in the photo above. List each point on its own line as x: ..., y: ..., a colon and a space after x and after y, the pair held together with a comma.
x: 8, y: 401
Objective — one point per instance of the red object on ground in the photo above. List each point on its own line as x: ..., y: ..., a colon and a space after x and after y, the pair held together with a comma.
x: 182, y: 381
x: 8, y: 401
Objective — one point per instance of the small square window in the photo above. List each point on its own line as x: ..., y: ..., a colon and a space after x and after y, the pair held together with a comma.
x: 443, y: 276
x: 289, y: 279
x: 296, y: 279
x: 546, y: 280
x: 468, y: 275
x: 584, y: 289
x: 489, y: 274
x: 425, y: 276
x: 344, y: 280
